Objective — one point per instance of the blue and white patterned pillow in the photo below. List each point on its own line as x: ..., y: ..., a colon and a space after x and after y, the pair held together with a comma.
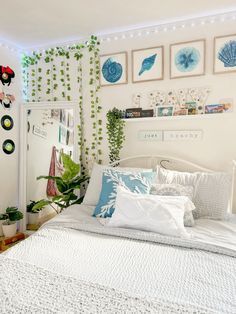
x: 135, y: 182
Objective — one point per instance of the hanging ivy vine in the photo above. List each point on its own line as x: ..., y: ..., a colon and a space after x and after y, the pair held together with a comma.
x: 53, y: 80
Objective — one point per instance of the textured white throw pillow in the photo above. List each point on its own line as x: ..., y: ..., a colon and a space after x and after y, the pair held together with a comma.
x: 160, y: 214
x: 211, y: 190
x: 176, y: 190
x: 94, y: 188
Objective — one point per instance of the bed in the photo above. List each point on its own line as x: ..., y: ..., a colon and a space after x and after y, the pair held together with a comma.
x: 75, y: 264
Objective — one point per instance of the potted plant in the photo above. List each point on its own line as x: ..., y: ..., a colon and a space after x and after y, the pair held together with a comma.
x: 9, y: 226
x: 3, y: 218
x: 34, y: 209
x: 68, y: 184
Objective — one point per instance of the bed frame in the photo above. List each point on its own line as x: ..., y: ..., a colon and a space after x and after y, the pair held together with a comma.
x: 172, y: 163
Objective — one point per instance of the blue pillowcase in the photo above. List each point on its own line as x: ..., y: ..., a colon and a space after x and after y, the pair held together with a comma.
x: 135, y: 182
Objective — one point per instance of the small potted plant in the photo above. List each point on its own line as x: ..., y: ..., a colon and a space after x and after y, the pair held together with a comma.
x: 9, y: 226
x: 3, y: 218
x: 34, y: 209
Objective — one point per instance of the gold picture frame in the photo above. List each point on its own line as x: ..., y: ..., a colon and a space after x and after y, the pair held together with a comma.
x: 219, y: 40
x: 175, y: 50
x: 153, y: 71
x: 120, y: 63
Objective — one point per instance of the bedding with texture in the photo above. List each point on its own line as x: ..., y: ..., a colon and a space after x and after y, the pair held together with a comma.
x: 75, y: 263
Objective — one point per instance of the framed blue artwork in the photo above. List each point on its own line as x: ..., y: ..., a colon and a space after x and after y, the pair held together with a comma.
x: 148, y: 64
x: 225, y: 54
x: 113, y: 69
x: 187, y: 59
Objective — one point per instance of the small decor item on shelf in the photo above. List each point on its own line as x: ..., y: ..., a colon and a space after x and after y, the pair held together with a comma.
x: 192, y: 108
x: 214, y: 108
x: 227, y: 104
x: 147, y: 64
x: 9, y: 226
x: 224, y: 54
x: 187, y: 59
x: 165, y: 111
x: 133, y: 112
x: 7, y: 122
x: 8, y: 146
x: 115, y: 131
x: 181, y: 112
x: 6, y: 75
x: 113, y: 69
x: 137, y: 100
x: 147, y: 113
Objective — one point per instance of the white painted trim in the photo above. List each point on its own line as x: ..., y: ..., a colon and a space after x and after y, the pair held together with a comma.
x: 23, y: 144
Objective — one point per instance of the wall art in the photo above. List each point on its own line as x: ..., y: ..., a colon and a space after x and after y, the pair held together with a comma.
x: 6, y: 75
x: 37, y: 130
x: 7, y: 122
x: 6, y: 100
x: 148, y: 64
x: 187, y: 59
x: 62, y: 135
x: 113, y: 69
x: 55, y: 114
x: 225, y: 54
x: 8, y: 146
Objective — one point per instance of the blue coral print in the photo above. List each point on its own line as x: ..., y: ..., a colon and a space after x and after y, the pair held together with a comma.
x: 227, y: 54
x: 187, y: 59
x: 147, y: 64
x: 112, y: 70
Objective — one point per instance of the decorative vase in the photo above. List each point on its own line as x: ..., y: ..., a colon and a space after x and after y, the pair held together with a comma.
x: 1, y: 231
x: 9, y: 230
x: 34, y: 218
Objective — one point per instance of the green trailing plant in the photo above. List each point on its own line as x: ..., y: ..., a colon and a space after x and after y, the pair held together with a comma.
x: 115, y: 131
x: 3, y: 217
x: 12, y: 214
x: 67, y: 184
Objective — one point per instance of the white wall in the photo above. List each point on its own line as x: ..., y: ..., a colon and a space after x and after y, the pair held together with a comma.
x: 217, y: 148
x: 9, y: 163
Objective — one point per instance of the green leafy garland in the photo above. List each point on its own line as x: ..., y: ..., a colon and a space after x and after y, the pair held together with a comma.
x: 31, y: 63
x: 115, y: 131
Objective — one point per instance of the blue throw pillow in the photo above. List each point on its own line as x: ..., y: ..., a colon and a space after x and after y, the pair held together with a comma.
x: 139, y: 182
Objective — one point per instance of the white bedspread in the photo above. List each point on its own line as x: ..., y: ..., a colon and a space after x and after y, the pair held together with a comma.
x: 170, y: 273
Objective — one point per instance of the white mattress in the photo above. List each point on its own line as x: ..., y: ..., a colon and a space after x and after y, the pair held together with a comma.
x: 138, y: 267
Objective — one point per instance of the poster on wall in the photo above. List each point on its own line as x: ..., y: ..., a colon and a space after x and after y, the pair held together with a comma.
x: 225, y: 54
x: 187, y: 59
x: 113, y: 69
x: 147, y: 64
x: 62, y: 135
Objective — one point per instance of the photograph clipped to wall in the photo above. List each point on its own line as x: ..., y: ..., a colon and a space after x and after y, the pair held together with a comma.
x: 187, y: 59
x: 113, y: 69
x: 147, y: 64
x: 225, y: 54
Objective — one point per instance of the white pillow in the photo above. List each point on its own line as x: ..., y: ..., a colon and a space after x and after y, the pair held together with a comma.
x: 211, y: 190
x: 176, y: 190
x: 94, y: 188
x: 160, y: 214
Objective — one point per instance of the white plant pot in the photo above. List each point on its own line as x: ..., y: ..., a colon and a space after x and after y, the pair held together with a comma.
x: 34, y: 218
x: 9, y: 230
x: 1, y: 231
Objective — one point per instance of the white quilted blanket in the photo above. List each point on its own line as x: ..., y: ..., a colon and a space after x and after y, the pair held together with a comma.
x: 62, y: 269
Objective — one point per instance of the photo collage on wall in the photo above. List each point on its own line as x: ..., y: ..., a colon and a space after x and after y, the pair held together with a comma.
x: 6, y: 100
x: 187, y: 59
x: 66, y: 125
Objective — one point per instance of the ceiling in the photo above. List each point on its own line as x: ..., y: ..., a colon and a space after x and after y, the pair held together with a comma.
x: 30, y: 23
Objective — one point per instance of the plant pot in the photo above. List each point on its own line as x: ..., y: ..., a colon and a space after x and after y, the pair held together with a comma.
x: 9, y: 230
x: 34, y: 218
x: 1, y: 231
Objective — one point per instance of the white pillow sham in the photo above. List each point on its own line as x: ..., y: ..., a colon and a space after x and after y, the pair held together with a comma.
x: 176, y: 190
x: 94, y: 188
x: 211, y: 190
x: 160, y: 214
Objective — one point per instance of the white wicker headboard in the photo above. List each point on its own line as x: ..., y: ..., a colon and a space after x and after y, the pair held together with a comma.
x: 172, y: 163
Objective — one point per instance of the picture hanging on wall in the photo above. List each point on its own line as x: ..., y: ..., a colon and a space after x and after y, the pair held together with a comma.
x: 62, y: 135
x: 225, y: 54
x: 187, y: 59
x: 113, y: 69
x: 147, y: 64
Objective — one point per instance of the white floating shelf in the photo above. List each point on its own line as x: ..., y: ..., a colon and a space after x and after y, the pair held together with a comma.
x: 196, y: 116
